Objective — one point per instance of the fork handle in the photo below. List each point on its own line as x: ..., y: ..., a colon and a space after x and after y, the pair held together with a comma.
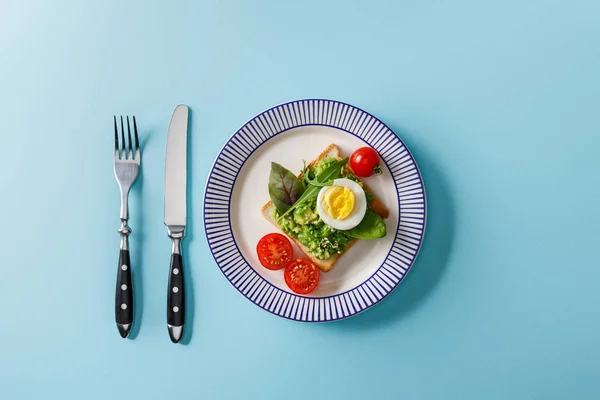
x: 124, y: 295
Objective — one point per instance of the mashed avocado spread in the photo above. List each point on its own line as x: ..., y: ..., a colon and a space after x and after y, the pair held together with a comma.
x: 305, y: 224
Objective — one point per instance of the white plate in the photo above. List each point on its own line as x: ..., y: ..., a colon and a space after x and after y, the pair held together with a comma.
x: 237, y: 189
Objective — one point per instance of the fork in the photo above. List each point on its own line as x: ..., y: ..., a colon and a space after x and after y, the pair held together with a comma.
x: 127, y: 167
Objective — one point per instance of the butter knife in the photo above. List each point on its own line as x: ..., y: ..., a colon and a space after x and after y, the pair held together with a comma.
x: 175, y: 217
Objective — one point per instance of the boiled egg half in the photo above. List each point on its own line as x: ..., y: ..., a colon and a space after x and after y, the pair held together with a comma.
x: 342, y: 205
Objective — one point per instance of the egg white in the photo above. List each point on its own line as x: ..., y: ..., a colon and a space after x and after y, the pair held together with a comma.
x: 360, y: 205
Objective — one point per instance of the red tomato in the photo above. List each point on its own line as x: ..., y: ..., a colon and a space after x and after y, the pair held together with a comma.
x: 365, y: 162
x: 274, y: 251
x: 302, y: 276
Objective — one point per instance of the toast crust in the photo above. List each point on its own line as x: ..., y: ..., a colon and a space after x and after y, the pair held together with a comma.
x: 326, y: 265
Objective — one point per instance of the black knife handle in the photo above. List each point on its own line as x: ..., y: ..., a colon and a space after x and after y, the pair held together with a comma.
x: 124, y: 295
x: 176, y: 295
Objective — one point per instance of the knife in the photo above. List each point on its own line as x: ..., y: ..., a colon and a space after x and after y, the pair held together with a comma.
x: 175, y: 217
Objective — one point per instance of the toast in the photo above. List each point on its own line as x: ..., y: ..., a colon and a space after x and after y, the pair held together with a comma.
x: 331, y: 151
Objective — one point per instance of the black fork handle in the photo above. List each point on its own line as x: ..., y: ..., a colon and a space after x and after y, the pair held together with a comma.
x: 124, y: 295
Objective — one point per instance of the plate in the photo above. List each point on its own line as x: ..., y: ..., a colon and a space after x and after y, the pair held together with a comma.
x: 237, y: 189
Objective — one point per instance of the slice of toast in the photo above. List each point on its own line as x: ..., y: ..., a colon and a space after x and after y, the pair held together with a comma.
x: 331, y: 151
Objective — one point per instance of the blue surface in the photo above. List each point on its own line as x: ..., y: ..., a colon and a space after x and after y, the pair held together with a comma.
x: 498, y: 101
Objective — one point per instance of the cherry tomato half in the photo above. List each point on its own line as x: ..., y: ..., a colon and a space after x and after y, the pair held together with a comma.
x: 274, y: 251
x: 302, y: 276
x: 365, y: 162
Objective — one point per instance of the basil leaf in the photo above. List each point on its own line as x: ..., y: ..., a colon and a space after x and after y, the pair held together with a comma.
x: 328, y: 174
x: 284, y: 187
x: 372, y: 226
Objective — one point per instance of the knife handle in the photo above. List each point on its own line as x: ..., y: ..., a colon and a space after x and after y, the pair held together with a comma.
x: 176, y: 294
x: 124, y: 295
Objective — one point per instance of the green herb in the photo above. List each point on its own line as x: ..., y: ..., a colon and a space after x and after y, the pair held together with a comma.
x: 328, y: 174
x: 309, y: 174
x: 322, y: 165
x: 369, y: 197
x: 309, y: 193
x: 333, y: 171
x: 372, y: 226
x: 316, y: 182
x: 285, y: 188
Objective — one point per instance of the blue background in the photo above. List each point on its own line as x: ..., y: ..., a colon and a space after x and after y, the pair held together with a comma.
x: 498, y: 101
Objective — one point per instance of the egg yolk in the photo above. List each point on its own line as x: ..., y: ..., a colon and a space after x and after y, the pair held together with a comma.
x: 338, y: 202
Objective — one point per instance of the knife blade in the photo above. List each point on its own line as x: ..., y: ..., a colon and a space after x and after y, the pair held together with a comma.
x: 175, y: 217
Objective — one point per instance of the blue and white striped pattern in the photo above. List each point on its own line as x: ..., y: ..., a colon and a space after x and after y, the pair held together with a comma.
x: 411, y: 200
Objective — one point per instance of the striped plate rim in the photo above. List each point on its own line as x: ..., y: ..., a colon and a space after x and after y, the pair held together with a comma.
x: 412, y: 206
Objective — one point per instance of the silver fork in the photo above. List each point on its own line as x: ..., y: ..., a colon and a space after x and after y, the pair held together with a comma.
x: 127, y: 167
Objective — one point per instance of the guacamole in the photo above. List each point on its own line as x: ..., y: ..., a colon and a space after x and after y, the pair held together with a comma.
x: 305, y: 225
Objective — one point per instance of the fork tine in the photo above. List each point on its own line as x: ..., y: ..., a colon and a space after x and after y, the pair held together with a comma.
x: 129, y: 137
x: 124, y: 149
x: 137, y: 142
x: 116, y: 138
